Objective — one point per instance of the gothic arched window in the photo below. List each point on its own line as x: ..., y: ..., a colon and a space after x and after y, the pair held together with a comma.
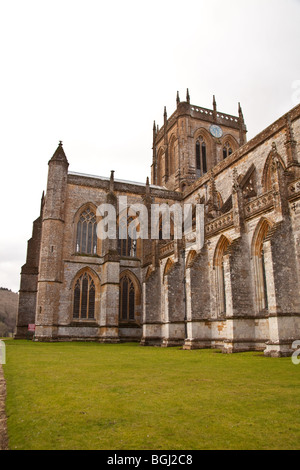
x: 259, y: 265
x: 267, y: 181
x: 160, y: 167
x: 126, y: 246
x: 171, y: 166
x: 219, y: 266
x: 127, y: 299
x: 166, y: 228
x: 227, y: 150
x: 201, y: 162
x: 86, y: 235
x: 84, y: 298
x: 264, y: 278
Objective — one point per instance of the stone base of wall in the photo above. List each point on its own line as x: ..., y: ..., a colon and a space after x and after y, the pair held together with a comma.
x: 197, y: 344
x: 242, y: 346
x: 77, y: 333
x: 109, y: 340
x: 80, y: 332
x: 45, y: 339
x: 151, y: 341
x: 230, y: 335
x: 74, y: 339
x: 130, y: 334
x: 45, y: 333
x: 87, y: 333
x: 151, y: 334
x: 173, y: 334
x: 171, y: 342
x: 279, y: 349
x: 23, y: 333
x: 226, y: 346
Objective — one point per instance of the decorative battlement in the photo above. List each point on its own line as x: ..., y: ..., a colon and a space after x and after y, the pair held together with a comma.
x: 208, y: 115
x: 220, y: 223
x: 294, y: 188
x: 261, y: 203
x: 198, y: 112
x: 167, y: 249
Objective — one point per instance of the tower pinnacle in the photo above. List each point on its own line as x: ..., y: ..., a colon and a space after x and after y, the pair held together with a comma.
x: 187, y: 96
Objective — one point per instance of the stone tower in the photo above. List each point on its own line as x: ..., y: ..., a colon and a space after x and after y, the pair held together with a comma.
x: 51, y: 251
x: 192, y: 141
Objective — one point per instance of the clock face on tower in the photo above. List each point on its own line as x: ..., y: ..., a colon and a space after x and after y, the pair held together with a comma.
x: 216, y: 131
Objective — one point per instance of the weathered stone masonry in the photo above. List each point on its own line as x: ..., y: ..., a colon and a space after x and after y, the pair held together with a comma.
x: 238, y: 292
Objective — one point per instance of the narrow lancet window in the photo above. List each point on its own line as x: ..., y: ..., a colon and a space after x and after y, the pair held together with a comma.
x: 201, y: 160
x: 227, y: 150
x: 219, y: 266
x: 264, y: 275
x: 126, y: 246
x: 260, y: 271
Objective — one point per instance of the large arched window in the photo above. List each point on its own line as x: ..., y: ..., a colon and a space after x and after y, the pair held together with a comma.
x: 267, y: 182
x: 258, y: 252
x: 86, y: 234
x: 227, y: 150
x: 201, y: 161
x: 84, y: 297
x: 220, y: 274
x: 171, y: 166
x: 127, y: 299
x: 160, y: 166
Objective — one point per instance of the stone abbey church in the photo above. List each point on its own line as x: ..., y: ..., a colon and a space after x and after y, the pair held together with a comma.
x: 237, y: 292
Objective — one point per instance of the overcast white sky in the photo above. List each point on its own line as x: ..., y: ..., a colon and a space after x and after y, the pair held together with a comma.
x: 95, y: 74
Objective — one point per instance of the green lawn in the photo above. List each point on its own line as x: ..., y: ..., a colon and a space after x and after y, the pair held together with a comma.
x: 101, y: 396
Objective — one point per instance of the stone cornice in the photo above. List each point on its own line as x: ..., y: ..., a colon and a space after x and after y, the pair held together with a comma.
x: 203, y: 114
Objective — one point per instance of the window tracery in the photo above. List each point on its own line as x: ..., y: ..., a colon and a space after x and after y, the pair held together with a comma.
x: 86, y: 234
x: 84, y: 297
